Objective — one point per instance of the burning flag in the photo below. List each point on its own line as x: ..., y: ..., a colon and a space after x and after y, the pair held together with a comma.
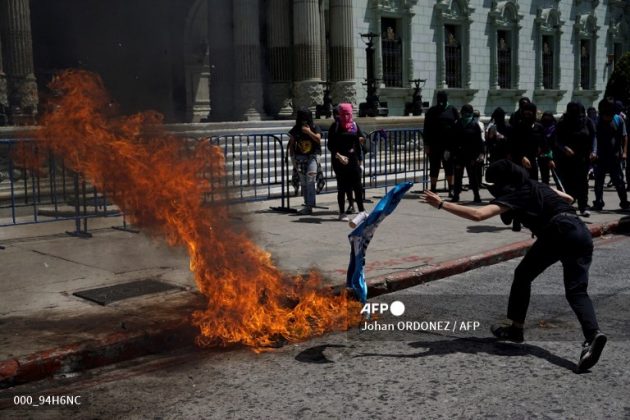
x: 361, y: 236
x: 159, y: 181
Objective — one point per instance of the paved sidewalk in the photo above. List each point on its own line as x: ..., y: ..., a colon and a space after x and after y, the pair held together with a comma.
x: 46, y: 330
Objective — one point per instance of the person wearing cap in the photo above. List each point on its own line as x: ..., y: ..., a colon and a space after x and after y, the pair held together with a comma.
x: 560, y: 236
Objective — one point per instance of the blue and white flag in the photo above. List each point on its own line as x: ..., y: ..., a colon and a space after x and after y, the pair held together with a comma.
x: 361, y: 236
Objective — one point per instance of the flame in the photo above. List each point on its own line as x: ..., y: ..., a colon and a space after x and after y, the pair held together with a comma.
x: 155, y: 178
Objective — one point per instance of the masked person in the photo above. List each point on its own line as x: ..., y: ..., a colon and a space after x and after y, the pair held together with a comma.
x: 439, y: 126
x: 611, y: 148
x: 516, y: 116
x: 344, y: 142
x: 527, y: 140
x: 305, y: 148
x: 498, y: 136
x: 561, y: 236
x: 467, y: 152
x: 575, y: 137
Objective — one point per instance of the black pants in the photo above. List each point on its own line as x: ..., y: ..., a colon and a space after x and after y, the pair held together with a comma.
x: 472, y: 169
x: 574, y: 176
x: 611, y: 165
x: 568, y: 240
x: 348, y: 181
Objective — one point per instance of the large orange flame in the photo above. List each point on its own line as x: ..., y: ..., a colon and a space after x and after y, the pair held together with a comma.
x: 155, y: 178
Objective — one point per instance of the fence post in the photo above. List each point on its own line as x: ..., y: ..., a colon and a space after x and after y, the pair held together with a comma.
x: 78, y: 233
x: 284, y: 169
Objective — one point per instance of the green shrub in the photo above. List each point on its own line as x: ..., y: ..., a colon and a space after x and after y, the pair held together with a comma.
x: 619, y: 83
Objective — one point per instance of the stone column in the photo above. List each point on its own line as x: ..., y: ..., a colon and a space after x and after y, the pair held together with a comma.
x: 342, y: 52
x: 15, y: 27
x: 280, y: 60
x: 221, y: 60
x: 247, y: 60
x: 307, y: 64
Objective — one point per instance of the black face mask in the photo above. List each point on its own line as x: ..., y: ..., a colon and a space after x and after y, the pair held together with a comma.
x: 442, y: 100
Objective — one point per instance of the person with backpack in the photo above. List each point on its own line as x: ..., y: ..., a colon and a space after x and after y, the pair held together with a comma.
x: 561, y: 236
x: 305, y: 147
x: 611, y: 148
x: 345, y: 140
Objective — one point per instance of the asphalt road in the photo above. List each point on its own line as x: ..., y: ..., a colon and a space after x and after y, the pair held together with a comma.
x: 446, y: 367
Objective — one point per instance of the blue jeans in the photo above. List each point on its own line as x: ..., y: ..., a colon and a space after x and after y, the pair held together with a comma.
x: 307, y: 169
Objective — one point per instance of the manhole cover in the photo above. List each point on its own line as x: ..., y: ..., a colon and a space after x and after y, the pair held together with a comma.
x: 107, y: 295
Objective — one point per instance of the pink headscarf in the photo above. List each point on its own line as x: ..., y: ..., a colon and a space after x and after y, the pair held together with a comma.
x: 345, y: 117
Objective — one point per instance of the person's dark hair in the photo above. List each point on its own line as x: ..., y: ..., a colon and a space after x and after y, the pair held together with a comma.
x: 504, y: 177
x: 606, y: 107
x: 498, y: 115
x: 304, y: 116
x: 547, y: 117
x: 619, y: 107
x: 529, y: 106
x: 524, y: 100
x: 467, y: 109
x: 442, y: 97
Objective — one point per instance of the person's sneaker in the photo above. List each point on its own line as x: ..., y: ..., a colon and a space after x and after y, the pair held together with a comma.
x: 342, y: 217
x: 351, y: 209
x: 306, y: 210
x: 585, y: 213
x: 591, y: 351
x: 477, y: 199
x: 624, y: 205
x: 509, y: 333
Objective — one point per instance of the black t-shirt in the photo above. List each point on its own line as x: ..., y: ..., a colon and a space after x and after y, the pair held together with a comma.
x: 578, y: 136
x: 345, y: 143
x: 439, y: 125
x: 527, y: 141
x: 527, y: 207
x: 304, y: 144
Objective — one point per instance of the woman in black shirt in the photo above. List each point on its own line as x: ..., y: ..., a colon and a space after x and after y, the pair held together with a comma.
x: 561, y: 236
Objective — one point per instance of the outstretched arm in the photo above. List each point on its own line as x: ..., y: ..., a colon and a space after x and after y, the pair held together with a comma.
x: 470, y: 213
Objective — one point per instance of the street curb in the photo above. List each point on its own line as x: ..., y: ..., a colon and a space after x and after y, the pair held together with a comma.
x: 89, y: 354
x: 405, y: 279
x: 119, y: 346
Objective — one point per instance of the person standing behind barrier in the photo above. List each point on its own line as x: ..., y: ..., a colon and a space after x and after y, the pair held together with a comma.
x: 467, y: 152
x: 611, y: 148
x: 527, y: 140
x: 545, y: 158
x: 439, y: 124
x: 575, y: 136
x: 498, y: 136
x: 619, y: 110
x: 305, y: 148
x: 344, y: 142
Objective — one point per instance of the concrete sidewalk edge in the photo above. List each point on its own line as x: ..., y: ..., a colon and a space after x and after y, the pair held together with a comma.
x: 119, y: 347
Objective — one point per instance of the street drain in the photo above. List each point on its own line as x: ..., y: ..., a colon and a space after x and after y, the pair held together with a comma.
x: 106, y: 295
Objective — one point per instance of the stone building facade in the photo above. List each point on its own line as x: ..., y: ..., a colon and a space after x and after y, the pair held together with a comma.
x: 222, y: 60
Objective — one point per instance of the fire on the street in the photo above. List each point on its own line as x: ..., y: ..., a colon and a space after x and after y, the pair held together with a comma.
x: 158, y: 180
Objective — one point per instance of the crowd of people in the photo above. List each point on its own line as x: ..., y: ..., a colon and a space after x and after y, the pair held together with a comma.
x: 577, y: 146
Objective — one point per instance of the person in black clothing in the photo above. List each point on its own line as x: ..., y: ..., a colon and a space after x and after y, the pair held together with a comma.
x: 561, y: 236
x: 498, y: 136
x: 344, y: 143
x: 575, y: 136
x: 305, y: 147
x: 467, y: 152
x: 545, y: 158
x: 439, y: 124
x: 516, y: 116
x: 611, y: 148
x: 527, y: 140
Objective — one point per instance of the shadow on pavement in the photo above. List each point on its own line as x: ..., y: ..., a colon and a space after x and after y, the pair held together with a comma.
x: 485, y: 228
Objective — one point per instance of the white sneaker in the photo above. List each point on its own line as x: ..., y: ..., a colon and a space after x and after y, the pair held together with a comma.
x: 343, y: 217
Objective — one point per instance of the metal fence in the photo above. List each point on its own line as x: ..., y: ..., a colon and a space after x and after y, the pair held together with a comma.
x: 37, y: 187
